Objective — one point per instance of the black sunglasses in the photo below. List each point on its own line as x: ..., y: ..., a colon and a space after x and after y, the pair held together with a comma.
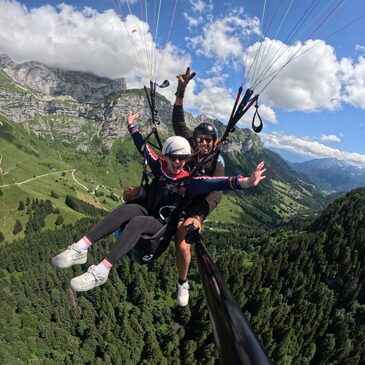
x: 206, y: 139
x: 177, y: 157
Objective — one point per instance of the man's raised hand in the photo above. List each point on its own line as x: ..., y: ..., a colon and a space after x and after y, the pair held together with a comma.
x: 184, y: 79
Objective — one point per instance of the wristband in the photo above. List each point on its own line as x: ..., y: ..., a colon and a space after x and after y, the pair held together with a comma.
x: 245, y: 183
x: 180, y: 93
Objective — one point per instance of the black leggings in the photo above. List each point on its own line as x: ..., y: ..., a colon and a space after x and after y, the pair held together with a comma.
x: 136, y: 222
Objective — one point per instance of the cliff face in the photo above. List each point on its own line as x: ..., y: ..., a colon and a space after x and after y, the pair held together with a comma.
x: 56, y: 82
x: 75, y: 107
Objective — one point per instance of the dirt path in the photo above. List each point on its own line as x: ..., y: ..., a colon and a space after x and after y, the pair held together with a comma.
x: 33, y: 178
x: 77, y: 182
x: 53, y: 173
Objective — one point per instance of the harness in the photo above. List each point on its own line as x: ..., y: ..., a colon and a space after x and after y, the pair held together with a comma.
x: 149, y: 249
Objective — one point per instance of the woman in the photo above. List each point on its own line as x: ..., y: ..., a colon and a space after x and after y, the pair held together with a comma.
x: 168, y: 174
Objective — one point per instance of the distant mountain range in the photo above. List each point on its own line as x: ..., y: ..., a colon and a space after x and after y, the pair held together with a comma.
x: 331, y: 175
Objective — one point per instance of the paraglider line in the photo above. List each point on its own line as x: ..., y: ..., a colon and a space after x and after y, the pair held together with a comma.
x: 167, y: 39
x: 123, y: 19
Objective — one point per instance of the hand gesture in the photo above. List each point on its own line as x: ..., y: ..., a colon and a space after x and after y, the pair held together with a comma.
x: 256, y: 175
x: 184, y: 79
x: 132, y: 117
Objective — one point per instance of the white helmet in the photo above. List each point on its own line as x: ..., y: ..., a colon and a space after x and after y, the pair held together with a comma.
x: 176, y: 145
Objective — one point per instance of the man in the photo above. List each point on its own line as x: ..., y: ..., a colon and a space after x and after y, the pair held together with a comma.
x: 203, y: 140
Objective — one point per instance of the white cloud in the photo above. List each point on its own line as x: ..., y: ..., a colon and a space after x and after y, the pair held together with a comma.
x: 314, y: 80
x: 330, y: 138
x: 310, y: 78
x: 200, y: 11
x: 305, y: 84
x: 221, y: 39
x: 359, y: 48
x: 216, y: 101
x: 213, y: 100
x: 84, y: 40
x: 200, y: 6
x: 353, y: 78
x: 193, y: 21
x: 311, y: 148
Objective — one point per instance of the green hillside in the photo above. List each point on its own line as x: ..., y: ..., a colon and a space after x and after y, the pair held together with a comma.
x: 32, y: 167
x: 302, y: 291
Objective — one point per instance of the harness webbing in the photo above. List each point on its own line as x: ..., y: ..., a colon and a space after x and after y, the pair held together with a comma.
x: 154, y: 132
x: 179, y: 204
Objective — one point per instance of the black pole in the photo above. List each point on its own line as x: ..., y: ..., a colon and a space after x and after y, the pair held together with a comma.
x: 236, y: 341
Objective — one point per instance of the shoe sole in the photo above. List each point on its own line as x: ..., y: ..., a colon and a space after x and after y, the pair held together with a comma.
x: 61, y: 266
x: 73, y: 287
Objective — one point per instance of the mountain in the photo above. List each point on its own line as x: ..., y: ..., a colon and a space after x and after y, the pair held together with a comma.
x: 331, y: 175
x: 45, y: 135
x: 55, y: 82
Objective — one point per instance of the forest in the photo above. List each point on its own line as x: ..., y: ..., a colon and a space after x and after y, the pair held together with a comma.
x: 301, y: 288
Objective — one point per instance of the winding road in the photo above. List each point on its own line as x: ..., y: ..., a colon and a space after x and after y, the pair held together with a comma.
x: 53, y: 173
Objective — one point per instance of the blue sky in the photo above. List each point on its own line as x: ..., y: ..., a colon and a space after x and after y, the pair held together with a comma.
x: 314, y: 107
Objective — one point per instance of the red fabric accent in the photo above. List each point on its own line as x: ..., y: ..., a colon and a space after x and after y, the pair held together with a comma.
x: 165, y: 171
x: 153, y: 154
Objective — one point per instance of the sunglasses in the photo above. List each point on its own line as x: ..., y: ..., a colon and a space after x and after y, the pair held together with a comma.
x: 177, y: 157
x: 206, y: 139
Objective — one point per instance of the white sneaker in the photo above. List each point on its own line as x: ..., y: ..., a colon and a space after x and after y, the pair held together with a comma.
x: 89, y: 280
x: 183, y: 294
x: 71, y: 256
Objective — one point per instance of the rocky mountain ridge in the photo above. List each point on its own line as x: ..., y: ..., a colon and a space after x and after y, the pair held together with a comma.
x: 50, y: 81
x: 77, y: 107
x: 331, y: 175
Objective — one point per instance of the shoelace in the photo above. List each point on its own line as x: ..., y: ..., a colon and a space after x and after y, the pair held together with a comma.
x: 97, y: 277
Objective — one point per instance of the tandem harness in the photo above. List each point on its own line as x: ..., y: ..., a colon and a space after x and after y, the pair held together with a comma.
x: 149, y: 248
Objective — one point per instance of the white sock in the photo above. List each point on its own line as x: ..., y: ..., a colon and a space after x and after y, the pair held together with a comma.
x: 104, y: 267
x: 83, y: 244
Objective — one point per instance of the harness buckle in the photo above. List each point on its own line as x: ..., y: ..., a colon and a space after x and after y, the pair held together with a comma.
x: 160, y: 212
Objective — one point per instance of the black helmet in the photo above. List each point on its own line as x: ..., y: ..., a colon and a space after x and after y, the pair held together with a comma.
x: 207, y: 129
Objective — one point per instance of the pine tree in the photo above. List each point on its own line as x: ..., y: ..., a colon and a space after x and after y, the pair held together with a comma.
x: 21, y: 205
x: 17, y: 227
x: 59, y: 220
x: 54, y: 194
x: 2, y: 238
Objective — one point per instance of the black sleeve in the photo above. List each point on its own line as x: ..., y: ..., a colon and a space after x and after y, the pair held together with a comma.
x: 203, y: 205
x: 178, y: 123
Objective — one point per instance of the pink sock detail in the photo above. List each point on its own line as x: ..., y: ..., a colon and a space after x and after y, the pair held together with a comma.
x: 104, y: 267
x: 107, y: 264
x: 84, y: 243
x: 87, y: 241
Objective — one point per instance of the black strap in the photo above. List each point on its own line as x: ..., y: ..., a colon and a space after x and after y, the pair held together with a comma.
x: 236, y: 115
x: 151, y: 102
x: 257, y: 128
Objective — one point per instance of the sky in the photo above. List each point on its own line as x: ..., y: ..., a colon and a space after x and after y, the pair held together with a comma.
x: 305, y: 59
